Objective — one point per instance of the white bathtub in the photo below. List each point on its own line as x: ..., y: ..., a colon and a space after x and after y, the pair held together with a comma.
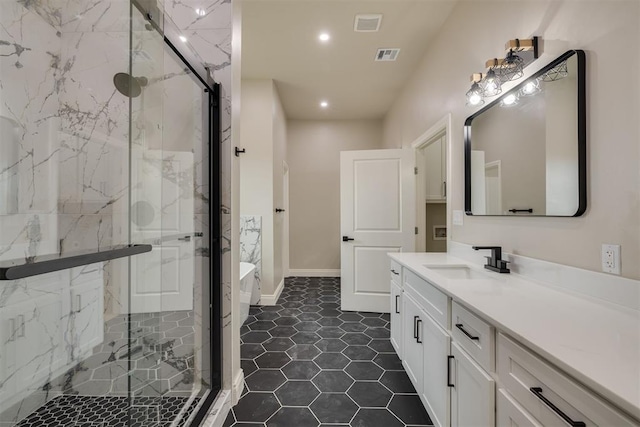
x: 247, y: 279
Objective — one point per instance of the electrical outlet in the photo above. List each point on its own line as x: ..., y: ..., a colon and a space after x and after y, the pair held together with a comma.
x: 457, y: 217
x: 611, y: 259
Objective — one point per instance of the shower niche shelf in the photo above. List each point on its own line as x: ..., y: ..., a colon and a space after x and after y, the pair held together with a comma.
x: 20, y: 269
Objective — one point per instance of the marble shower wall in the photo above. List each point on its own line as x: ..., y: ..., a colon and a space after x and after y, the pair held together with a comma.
x: 251, y: 249
x: 65, y: 135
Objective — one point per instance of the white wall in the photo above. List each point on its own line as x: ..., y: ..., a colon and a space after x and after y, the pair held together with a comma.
x: 314, y: 170
x: 263, y: 136
x: 607, y: 30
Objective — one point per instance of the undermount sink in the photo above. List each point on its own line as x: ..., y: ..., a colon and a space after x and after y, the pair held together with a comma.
x: 457, y: 272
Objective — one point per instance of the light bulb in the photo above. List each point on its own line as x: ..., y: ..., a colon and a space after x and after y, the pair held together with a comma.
x: 324, y: 104
x: 183, y: 39
x: 491, y: 84
x: 509, y: 99
x: 324, y: 37
x: 530, y: 88
x: 201, y: 12
x: 474, y: 95
x: 475, y: 99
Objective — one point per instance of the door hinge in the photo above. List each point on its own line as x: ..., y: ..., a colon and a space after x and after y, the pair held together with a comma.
x: 416, y: 230
x: 415, y: 170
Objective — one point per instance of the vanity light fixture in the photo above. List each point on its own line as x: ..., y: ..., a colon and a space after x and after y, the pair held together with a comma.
x: 520, y: 53
x: 475, y: 95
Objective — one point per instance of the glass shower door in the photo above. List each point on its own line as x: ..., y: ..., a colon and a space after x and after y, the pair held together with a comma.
x: 169, y: 210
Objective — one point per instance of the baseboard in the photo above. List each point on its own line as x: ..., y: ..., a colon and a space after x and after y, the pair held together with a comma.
x: 271, y: 299
x: 315, y: 273
x: 219, y: 410
x: 237, y: 387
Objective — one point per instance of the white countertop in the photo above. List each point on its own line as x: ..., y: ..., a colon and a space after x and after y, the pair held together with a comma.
x: 596, y: 342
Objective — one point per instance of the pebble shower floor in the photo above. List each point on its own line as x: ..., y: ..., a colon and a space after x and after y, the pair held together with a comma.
x: 308, y: 364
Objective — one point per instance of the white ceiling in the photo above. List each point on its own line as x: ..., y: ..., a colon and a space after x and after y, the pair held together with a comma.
x: 280, y: 42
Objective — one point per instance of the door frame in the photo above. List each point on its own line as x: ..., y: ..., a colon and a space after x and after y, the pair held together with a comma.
x: 436, y: 130
x: 285, y: 219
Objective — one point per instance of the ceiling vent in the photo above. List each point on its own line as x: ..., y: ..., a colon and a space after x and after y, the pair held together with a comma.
x: 367, y: 23
x: 387, y: 54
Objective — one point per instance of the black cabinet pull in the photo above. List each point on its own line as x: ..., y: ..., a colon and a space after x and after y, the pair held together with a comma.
x: 394, y: 272
x: 521, y: 210
x: 397, y: 311
x: 537, y: 391
x: 449, y: 383
x: 346, y: 238
x: 471, y: 337
x: 278, y: 210
x: 418, y: 340
x: 415, y: 326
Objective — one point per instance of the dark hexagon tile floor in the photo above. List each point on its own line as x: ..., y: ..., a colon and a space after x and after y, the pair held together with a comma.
x: 308, y: 364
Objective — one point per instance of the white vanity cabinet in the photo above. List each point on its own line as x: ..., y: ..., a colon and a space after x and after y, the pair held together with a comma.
x: 470, y: 373
x: 473, y: 391
x: 427, y: 345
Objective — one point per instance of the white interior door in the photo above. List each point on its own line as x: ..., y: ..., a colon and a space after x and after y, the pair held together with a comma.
x: 377, y: 211
x: 162, y: 215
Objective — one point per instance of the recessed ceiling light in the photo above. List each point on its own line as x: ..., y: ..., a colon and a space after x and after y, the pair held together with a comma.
x: 324, y: 104
x: 324, y: 37
x: 183, y: 39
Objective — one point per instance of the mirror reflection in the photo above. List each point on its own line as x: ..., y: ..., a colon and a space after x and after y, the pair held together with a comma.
x: 524, y: 150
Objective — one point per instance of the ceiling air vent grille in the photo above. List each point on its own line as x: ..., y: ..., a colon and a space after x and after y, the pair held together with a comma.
x: 367, y: 23
x: 387, y: 54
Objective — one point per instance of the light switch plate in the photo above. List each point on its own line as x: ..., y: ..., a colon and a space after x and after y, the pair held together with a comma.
x: 458, y: 217
x: 611, y: 258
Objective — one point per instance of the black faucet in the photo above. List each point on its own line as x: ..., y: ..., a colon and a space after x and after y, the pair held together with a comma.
x: 495, y: 261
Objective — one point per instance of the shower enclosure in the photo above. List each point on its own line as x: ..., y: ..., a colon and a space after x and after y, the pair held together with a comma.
x: 109, y: 250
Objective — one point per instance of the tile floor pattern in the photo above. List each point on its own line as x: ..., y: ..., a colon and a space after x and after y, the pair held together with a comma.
x: 110, y: 411
x: 309, y: 364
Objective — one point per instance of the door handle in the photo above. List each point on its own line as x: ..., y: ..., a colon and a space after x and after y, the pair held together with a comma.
x: 449, y: 383
x: 418, y: 340
x: 347, y: 239
x: 185, y: 238
x: 395, y: 272
x: 278, y: 210
x: 397, y: 311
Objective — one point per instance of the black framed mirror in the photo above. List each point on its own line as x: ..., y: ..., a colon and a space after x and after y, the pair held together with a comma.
x: 526, y: 151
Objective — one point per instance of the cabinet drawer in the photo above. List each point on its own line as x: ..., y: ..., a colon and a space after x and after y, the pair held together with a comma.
x: 434, y: 302
x: 474, y: 335
x: 548, y: 394
x: 396, y: 273
x: 509, y: 413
